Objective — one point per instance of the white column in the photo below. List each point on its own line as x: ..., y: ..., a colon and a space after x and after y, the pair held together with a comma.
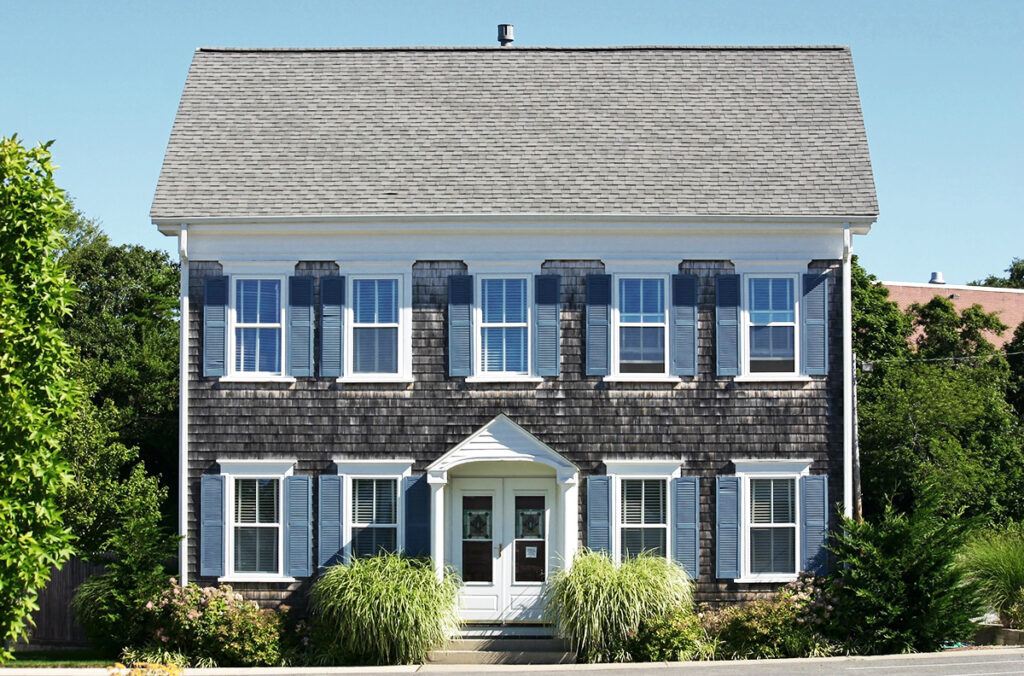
x: 183, y: 408
x: 847, y: 372
x: 437, y: 524
x: 570, y: 498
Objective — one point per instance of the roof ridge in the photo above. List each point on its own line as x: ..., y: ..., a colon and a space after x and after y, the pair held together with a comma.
x: 495, y: 48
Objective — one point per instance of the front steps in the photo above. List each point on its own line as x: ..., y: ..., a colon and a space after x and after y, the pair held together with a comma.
x: 504, y: 644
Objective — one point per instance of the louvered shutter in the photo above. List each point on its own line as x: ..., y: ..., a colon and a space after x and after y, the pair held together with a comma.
x: 215, y: 326
x: 814, y: 524
x: 686, y: 524
x: 417, y: 515
x: 329, y: 520
x: 814, y: 324
x: 727, y: 325
x: 598, y: 329
x: 211, y: 525
x: 460, y: 325
x: 332, y: 326
x: 301, y: 318
x: 727, y: 528
x: 683, y: 327
x: 298, y: 526
x: 546, y: 306
x: 599, y: 513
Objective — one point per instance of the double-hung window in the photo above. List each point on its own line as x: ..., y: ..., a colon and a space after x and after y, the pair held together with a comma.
x: 643, y: 524
x: 504, y: 326
x: 772, y: 324
x: 258, y: 337
x: 642, y: 326
x: 375, y: 325
x: 772, y: 525
x: 256, y: 525
x: 374, y: 516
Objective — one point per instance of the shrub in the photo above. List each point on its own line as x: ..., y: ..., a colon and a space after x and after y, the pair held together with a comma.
x: 1013, y: 612
x: 211, y: 626
x: 780, y: 626
x: 897, y: 589
x: 678, y: 637
x: 385, y: 609
x: 599, y: 606
x: 994, y: 562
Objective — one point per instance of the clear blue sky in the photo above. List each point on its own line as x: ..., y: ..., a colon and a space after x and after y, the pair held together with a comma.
x: 942, y: 84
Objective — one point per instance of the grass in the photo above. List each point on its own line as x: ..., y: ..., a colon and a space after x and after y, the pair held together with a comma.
x: 24, y: 659
x: 994, y: 561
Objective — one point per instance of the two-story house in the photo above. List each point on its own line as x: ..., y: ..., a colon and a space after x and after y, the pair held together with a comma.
x: 492, y: 305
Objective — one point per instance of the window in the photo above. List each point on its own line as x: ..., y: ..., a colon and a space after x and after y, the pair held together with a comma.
x: 644, y: 526
x: 642, y: 327
x: 771, y: 303
x: 504, y: 326
x: 375, y: 326
x: 258, y: 338
x: 256, y: 525
x: 374, y: 516
x: 772, y: 526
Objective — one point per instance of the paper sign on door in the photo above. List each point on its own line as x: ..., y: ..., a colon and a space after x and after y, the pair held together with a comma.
x: 531, y: 552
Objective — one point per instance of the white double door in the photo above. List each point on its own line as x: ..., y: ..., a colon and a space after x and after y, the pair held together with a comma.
x: 502, y: 543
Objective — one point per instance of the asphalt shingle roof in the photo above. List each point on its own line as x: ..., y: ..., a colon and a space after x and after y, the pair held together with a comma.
x: 425, y: 131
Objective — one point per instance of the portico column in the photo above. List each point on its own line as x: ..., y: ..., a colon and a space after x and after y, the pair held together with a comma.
x: 570, y: 497
x: 436, y: 483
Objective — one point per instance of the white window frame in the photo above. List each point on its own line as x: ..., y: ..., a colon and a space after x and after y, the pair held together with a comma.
x: 231, y: 372
x: 404, y: 325
x: 658, y: 470
x: 272, y: 469
x: 479, y: 375
x: 768, y: 469
x: 797, y: 372
x: 614, y: 373
x: 357, y: 468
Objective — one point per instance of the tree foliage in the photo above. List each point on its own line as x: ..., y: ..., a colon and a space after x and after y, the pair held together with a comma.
x: 36, y: 392
x: 1014, y: 278
x: 1014, y: 351
x: 947, y: 333
x: 880, y: 329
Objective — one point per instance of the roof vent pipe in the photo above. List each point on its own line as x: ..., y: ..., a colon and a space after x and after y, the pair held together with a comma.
x: 505, y: 34
x: 936, y: 278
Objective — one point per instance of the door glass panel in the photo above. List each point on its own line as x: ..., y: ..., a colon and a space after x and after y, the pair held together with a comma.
x: 477, y: 538
x: 530, y: 543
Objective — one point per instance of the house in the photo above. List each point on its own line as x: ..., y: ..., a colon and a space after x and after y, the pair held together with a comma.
x: 1008, y: 304
x: 491, y: 305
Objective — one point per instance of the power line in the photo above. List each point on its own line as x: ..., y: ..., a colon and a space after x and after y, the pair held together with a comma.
x: 872, y: 362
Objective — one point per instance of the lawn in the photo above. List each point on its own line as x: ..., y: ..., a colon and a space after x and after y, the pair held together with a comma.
x: 57, y: 658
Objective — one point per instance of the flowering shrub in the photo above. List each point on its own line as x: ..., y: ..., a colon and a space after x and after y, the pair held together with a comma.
x: 213, y: 626
x: 677, y: 637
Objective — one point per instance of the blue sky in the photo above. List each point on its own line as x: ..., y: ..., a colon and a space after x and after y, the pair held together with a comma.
x: 942, y: 84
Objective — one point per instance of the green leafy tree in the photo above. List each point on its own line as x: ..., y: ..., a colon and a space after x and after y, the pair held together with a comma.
x: 950, y: 334
x: 1014, y: 278
x: 36, y: 392
x: 1014, y: 352
x: 880, y: 328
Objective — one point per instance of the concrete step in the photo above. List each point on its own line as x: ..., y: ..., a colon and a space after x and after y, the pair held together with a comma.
x: 499, y: 657
x: 504, y: 644
x: 510, y: 644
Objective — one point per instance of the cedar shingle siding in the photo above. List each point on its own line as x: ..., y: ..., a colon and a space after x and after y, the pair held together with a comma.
x: 706, y: 421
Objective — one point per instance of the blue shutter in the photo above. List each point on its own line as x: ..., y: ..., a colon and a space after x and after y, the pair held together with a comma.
x: 332, y: 326
x: 686, y: 518
x: 727, y: 324
x: 814, y: 524
x: 417, y: 515
x: 328, y: 524
x: 215, y: 325
x: 545, y: 298
x: 211, y: 525
x: 460, y: 325
x: 683, y: 328
x: 814, y: 329
x: 301, y: 317
x: 599, y: 315
x: 727, y: 527
x: 298, y: 526
x: 599, y: 513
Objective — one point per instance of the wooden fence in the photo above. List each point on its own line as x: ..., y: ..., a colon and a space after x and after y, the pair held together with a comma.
x: 55, y: 623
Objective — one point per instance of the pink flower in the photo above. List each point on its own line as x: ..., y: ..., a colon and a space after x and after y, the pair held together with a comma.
x: 149, y: 605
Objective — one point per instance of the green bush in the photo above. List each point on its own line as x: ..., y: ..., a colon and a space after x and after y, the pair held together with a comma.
x: 768, y: 628
x: 994, y: 562
x: 897, y: 588
x: 1013, y: 613
x: 599, y: 607
x: 385, y: 609
x: 211, y: 626
x: 679, y: 637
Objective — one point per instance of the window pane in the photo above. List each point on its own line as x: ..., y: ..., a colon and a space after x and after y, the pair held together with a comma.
x: 247, y: 293
x: 515, y: 350
x: 362, y: 500
x: 642, y: 300
x: 374, y: 540
x: 503, y: 301
x: 643, y: 501
x: 636, y: 541
x: 515, y: 301
x: 761, y: 500
x: 783, y: 501
x: 630, y: 299
x: 632, y: 501
x: 374, y: 501
x: 654, y: 501
x: 269, y: 301
x: 245, y: 350
x: 268, y: 502
x: 258, y: 350
x: 375, y: 301
x: 375, y: 350
x: 772, y: 349
x: 772, y: 550
x: 245, y: 500
x: 771, y: 300
x: 504, y: 350
x: 653, y: 306
x: 386, y: 501
x: 641, y: 349
x: 256, y: 549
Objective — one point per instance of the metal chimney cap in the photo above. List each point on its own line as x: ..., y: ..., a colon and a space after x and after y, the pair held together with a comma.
x: 506, y: 33
x: 936, y: 278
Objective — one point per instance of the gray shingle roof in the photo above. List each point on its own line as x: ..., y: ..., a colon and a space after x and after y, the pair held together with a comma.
x: 631, y: 131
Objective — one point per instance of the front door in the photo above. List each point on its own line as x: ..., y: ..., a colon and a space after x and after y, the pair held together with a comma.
x: 501, y: 545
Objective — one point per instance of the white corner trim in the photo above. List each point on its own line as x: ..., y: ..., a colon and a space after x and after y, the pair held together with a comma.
x: 183, y: 357
x: 644, y: 468
x: 257, y: 466
x: 799, y: 467
x: 251, y: 267
x: 241, y: 577
x: 255, y: 378
x: 394, y: 467
x: 776, y: 378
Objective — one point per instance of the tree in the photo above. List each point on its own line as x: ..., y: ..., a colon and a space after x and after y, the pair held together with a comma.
x: 949, y: 334
x: 1014, y: 278
x: 880, y: 329
x: 1014, y: 352
x: 36, y: 392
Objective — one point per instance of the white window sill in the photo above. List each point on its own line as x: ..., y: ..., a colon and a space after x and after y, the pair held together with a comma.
x: 642, y: 378
x: 503, y: 378
x: 758, y: 579
x: 284, y: 579
x: 256, y: 378
x: 375, y: 378
x: 772, y: 378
